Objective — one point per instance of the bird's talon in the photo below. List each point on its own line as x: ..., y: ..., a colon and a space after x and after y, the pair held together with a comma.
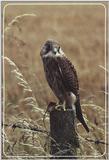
x: 64, y: 109
x: 59, y: 107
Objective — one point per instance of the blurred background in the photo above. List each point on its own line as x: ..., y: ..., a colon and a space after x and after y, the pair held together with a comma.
x: 80, y: 30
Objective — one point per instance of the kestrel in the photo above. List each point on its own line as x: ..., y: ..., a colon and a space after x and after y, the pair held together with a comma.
x: 62, y: 77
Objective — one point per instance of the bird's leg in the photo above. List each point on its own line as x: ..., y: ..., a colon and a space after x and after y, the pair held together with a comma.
x: 60, y: 106
x: 74, y: 111
x: 74, y: 117
x: 64, y: 106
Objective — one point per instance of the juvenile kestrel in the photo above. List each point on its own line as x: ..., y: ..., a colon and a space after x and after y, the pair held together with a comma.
x: 61, y: 76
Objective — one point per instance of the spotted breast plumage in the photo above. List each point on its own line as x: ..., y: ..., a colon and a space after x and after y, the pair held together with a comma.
x: 61, y: 76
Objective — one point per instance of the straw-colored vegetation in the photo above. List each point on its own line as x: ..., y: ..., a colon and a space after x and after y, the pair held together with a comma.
x: 80, y: 31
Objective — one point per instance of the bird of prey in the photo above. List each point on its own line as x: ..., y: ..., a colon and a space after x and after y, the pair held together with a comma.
x: 61, y: 76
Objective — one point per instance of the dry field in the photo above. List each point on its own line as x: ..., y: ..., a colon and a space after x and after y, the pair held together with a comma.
x: 80, y: 30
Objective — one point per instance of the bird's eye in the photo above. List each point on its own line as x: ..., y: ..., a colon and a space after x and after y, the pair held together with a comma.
x: 56, y: 50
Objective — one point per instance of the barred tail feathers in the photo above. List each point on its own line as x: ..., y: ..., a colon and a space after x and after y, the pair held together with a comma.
x: 80, y: 116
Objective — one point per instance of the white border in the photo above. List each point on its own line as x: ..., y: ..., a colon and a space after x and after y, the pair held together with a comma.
x: 108, y: 80
x: 0, y: 91
x: 56, y: 3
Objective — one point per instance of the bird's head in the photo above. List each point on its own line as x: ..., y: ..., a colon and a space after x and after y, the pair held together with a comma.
x: 51, y: 48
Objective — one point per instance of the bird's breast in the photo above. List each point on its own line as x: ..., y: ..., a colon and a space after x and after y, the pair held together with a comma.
x: 50, y: 65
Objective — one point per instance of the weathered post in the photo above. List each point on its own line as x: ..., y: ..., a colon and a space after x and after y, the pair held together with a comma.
x: 64, y: 139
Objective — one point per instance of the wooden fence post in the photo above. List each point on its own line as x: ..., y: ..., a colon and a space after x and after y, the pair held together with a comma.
x: 64, y: 140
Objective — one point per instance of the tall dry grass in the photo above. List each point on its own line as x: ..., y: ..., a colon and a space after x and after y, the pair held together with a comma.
x: 80, y: 31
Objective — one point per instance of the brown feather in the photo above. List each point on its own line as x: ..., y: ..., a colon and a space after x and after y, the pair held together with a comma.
x: 71, y: 84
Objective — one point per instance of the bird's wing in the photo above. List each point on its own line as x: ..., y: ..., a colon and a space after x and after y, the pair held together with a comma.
x: 69, y: 75
x: 70, y: 80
